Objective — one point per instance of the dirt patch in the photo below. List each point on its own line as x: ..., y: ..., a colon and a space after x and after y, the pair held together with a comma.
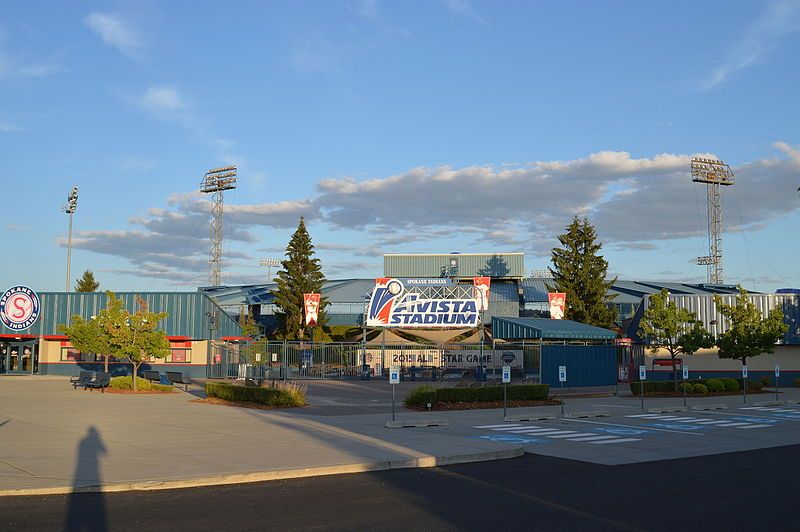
x: 478, y: 405
x: 240, y: 404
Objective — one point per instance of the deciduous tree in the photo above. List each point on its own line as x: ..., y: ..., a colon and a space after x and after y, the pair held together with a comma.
x: 665, y: 325
x: 748, y: 333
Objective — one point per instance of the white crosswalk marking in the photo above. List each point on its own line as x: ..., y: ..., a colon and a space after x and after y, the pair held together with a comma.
x: 559, y: 436
x: 497, y: 426
x: 681, y: 419
x: 515, y: 427
x: 733, y: 424
x: 557, y: 432
x: 537, y: 431
x: 696, y: 420
x: 754, y: 427
x: 621, y: 440
x: 711, y: 422
x: 644, y: 415
x: 592, y: 438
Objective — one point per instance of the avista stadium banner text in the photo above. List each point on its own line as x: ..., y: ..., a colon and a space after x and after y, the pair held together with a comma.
x: 391, y: 304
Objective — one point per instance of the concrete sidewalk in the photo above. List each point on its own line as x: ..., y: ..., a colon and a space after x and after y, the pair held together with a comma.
x: 59, y: 440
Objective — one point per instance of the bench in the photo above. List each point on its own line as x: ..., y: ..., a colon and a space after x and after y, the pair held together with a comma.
x: 101, y: 380
x: 152, y: 376
x: 80, y: 379
x: 177, y: 378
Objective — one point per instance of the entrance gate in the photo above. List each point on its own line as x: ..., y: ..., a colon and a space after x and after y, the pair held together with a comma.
x: 19, y: 357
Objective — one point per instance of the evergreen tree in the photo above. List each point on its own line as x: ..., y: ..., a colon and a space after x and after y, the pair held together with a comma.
x: 580, y: 272
x: 300, y: 274
x: 87, y: 283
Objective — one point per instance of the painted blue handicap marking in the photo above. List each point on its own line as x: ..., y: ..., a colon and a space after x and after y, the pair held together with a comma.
x: 621, y: 431
x: 675, y: 426
x: 510, y: 439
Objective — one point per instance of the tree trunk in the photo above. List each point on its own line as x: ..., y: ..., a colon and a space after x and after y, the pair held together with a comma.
x: 135, y: 371
x: 674, y: 371
x: 105, y: 363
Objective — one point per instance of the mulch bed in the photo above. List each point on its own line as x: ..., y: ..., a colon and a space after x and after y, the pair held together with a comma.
x: 478, y: 405
x: 140, y: 392
x: 709, y: 394
x: 240, y: 404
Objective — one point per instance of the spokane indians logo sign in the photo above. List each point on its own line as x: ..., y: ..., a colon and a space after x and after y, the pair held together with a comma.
x: 19, y: 308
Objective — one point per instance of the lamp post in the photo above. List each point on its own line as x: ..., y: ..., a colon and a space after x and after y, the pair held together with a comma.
x: 70, y: 208
x: 269, y: 263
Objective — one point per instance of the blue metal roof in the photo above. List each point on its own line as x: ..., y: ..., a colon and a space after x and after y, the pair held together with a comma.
x: 547, y: 329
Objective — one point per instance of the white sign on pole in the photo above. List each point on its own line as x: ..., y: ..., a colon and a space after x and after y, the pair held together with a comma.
x: 506, y: 374
x: 744, y: 371
x: 685, y: 372
x: 642, y: 373
x: 274, y: 357
x: 777, y: 370
x: 562, y: 373
x: 394, y: 375
x: 258, y: 357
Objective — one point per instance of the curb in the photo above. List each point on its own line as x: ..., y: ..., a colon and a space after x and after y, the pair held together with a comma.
x: 264, y: 476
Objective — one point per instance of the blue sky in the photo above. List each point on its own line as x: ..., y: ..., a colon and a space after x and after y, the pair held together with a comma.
x: 395, y: 127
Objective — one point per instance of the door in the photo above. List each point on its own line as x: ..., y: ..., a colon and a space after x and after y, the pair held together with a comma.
x: 3, y: 357
x: 22, y: 357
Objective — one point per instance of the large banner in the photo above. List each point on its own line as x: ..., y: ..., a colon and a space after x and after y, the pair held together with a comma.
x: 391, y: 304
x: 311, y: 303
x: 481, y: 292
x: 558, y: 302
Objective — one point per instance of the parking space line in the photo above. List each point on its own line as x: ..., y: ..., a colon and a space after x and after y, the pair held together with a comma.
x: 621, y: 440
x: 557, y: 432
x: 534, y: 430
x: 497, y: 426
x: 644, y: 415
x: 525, y: 429
x: 696, y: 420
x: 735, y: 424
x: 717, y: 422
x: 754, y: 427
x: 515, y: 427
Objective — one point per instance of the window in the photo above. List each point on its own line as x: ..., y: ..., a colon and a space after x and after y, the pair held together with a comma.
x: 71, y: 354
x: 179, y: 355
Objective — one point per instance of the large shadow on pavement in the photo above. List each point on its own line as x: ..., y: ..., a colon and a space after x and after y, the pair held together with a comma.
x: 86, y: 510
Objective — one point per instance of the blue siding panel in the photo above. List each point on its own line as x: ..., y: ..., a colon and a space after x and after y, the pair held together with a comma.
x: 587, y: 365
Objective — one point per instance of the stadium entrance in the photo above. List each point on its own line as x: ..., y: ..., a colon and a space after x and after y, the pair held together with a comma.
x: 19, y: 357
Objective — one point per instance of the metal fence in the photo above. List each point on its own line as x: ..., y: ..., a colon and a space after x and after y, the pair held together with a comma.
x: 304, y: 360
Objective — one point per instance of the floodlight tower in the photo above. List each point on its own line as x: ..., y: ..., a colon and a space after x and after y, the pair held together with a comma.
x: 70, y: 207
x: 713, y: 173
x: 216, y: 181
x: 269, y: 263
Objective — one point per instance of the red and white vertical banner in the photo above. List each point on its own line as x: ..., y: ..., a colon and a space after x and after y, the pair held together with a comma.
x: 558, y: 303
x: 311, y: 304
x: 481, y: 292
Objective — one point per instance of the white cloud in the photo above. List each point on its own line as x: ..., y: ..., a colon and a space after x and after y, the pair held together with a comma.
x: 115, y: 32
x: 781, y: 17
x: 463, y: 8
x: 160, y: 100
x: 5, y: 127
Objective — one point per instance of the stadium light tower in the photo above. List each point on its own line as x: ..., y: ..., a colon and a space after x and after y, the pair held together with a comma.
x: 216, y: 181
x: 714, y: 173
x: 70, y: 207
x: 269, y: 263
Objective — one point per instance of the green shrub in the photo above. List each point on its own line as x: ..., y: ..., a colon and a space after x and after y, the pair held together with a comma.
x: 730, y: 384
x: 420, y: 396
x: 766, y: 381
x: 715, y: 385
x: 754, y: 386
x: 700, y: 388
x: 143, y: 385
x: 689, y: 387
x: 520, y: 392
x: 796, y: 383
x: 285, y: 394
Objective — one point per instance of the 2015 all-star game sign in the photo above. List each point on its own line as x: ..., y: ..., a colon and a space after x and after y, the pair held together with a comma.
x: 19, y: 308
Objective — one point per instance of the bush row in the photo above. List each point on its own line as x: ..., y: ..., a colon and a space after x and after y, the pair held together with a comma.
x: 421, y: 395
x: 142, y: 384
x: 279, y: 396
x: 726, y: 384
x: 797, y: 383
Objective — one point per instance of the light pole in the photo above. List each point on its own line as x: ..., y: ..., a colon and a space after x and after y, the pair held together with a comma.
x: 70, y: 208
x: 269, y: 263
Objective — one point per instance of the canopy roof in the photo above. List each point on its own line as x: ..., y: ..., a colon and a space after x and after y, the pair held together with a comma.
x: 547, y: 329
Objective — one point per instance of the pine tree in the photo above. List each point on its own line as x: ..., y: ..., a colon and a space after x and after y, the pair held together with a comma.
x: 300, y: 274
x: 580, y: 272
x: 87, y: 283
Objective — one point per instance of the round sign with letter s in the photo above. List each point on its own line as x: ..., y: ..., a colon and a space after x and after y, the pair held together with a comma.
x: 19, y: 308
